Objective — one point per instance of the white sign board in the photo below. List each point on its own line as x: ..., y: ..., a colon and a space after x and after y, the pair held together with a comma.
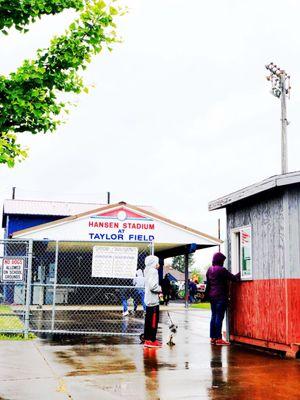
x: 114, y: 262
x: 246, y: 253
x: 13, y: 269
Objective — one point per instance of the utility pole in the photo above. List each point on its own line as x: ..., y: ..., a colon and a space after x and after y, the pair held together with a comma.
x: 280, y: 82
x: 108, y: 197
x: 13, y: 192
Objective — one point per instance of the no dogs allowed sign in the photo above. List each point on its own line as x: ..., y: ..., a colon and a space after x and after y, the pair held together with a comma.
x: 13, y: 270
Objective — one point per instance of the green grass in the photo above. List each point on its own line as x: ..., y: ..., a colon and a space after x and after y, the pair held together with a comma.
x: 11, y: 322
x: 16, y: 336
x: 203, y: 306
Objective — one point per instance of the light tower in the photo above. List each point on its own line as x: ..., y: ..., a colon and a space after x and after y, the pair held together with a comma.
x: 280, y: 82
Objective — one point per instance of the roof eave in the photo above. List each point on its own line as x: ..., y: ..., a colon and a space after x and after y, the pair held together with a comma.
x: 252, y: 190
x: 215, y: 241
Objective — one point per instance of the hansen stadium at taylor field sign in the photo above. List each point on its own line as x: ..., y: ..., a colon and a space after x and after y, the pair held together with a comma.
x: 113, y: 230
x: 118, y: 223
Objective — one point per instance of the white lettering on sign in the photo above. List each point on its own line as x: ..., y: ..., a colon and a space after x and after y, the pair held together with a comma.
x: 13, y: 270
x: 114, y: 262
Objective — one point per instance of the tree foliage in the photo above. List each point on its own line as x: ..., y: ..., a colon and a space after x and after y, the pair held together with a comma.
x: 196, y: 274
x: 178, y: 262
x: 30, y: 96
x: 20, y: 13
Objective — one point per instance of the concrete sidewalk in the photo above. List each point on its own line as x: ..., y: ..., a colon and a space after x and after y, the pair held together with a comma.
x: 112, y: 368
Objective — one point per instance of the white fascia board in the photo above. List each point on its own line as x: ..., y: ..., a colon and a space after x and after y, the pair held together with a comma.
x: 241, y: 194
x: 267, y: 184
x: 62, y: 231
x: 56, y: 224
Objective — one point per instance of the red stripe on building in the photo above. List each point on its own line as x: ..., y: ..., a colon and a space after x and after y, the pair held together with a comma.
x: 266, y: 311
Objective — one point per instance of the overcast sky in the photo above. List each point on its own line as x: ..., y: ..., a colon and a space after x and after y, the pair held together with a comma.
x: 180, y: 112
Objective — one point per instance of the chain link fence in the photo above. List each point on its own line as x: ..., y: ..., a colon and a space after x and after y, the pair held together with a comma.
x: 15, y: 262
x: 72, y: 287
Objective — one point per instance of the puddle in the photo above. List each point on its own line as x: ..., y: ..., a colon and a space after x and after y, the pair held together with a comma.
x: 98, y: 321
x: 96, y: 360
x: 66, y: 340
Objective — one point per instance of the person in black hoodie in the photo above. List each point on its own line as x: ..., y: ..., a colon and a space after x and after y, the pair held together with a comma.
x: 166, y: 289
x: 217, y: 279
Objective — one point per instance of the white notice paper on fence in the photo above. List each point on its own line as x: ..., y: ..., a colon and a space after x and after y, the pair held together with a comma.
x: 12, y: 270
x: 114, y: 262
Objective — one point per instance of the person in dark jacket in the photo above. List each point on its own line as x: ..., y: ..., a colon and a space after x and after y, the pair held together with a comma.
x: 166, y: 289
x: 192, y: 291
x: 217, y: 279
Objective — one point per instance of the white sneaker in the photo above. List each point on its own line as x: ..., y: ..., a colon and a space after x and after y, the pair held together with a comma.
x: 125, y: 313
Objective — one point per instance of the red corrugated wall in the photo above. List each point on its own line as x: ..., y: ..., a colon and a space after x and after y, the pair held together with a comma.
x: 294, y: 309
x: 266, y: 310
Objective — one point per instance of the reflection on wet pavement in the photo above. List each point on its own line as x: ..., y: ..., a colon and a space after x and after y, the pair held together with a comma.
x: 105, y: 321
x: 192, y: 369
x: 118, y: 367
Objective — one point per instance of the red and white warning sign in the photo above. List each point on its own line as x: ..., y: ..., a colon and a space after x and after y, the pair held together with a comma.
x: 12, y: 269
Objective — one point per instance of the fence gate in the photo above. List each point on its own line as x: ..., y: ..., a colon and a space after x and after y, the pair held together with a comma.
x: 72, y: 287
x: 15, y: 269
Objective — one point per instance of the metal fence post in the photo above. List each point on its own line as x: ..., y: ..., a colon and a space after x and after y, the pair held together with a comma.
x: 186, y: 279
x: 28, y: 288
x: 54, y: 287
x: 152, y: 248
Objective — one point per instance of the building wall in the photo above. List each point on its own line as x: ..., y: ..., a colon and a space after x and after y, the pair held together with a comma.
x: 293, y: 249
x: 266, y: 220
x: 17, y: 222
x: 259, y: 310
x: 268, y: 307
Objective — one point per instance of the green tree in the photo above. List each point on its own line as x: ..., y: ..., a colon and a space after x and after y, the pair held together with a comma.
x: 29, y: 97
x: 178, y: 262
x: 196, y: 274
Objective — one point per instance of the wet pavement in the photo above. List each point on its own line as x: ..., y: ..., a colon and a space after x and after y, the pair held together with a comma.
x: 80, y: 321
x: 112, y: 368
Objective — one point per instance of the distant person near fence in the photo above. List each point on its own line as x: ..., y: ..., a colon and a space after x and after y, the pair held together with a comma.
x: 139, y: 295
x: 166, y: 289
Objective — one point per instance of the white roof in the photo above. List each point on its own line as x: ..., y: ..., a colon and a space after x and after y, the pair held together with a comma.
x: 59, y: 208
x: 79, y: 228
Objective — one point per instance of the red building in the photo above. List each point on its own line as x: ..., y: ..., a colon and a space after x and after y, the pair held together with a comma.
x: 263, y: 236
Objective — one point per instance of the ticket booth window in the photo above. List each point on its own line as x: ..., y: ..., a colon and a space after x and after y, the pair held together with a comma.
x: 241, y: 251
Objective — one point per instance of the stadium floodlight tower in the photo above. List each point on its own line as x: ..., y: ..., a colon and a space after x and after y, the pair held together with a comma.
x: 281, y: 88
